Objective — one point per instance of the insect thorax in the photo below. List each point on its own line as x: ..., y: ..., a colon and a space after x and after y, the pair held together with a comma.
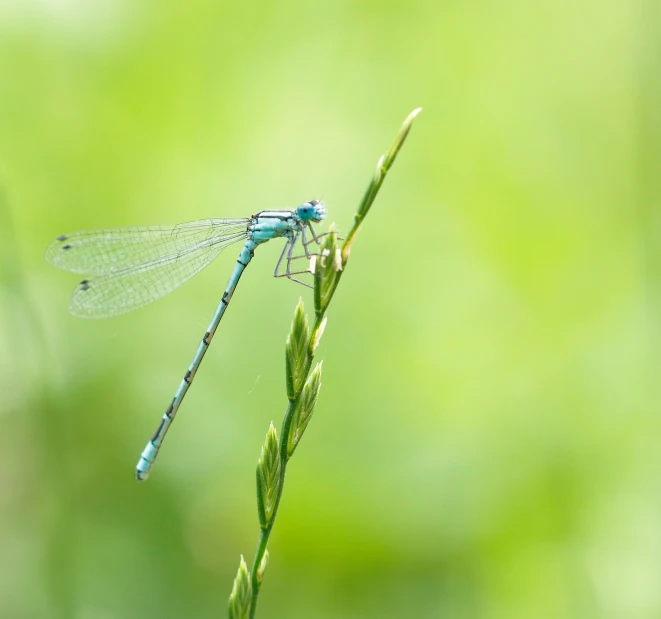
x: 269, y: 225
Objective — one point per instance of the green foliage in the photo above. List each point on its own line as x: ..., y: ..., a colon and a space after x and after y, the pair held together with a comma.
x: 303, y: 390
x: 382, y: 167
x: 304, y: 409
x: 268, y: 478
x: 296, y: 351
x: 240, y: 598
x: 328, y: 267
x: 262, y: 567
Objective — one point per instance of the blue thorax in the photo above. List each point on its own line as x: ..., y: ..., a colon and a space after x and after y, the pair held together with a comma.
x: 268, y: 225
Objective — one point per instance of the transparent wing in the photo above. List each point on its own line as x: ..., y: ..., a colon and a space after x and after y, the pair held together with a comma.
x: 101, y: 252
x: 131, y: 267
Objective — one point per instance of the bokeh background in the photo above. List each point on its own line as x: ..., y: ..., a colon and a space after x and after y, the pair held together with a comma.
x: 486, y: 444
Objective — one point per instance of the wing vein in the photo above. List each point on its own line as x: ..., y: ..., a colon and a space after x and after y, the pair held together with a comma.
x: 128, y: 268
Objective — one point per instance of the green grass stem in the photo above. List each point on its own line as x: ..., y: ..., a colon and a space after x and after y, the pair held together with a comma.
x: 303, y: 384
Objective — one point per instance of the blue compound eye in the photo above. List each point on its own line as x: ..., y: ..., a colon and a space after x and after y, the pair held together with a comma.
x: 311, y: 211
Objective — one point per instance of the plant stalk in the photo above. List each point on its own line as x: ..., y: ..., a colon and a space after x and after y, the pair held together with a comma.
x: 383, y: 165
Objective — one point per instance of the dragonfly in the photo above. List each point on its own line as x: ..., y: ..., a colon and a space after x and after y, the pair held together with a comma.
x: 127, y: 268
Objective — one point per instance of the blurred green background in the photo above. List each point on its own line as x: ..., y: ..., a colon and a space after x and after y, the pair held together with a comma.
x: 487, y: 439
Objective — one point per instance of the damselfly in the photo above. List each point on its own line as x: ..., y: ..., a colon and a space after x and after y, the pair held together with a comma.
x: 127, y: 268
